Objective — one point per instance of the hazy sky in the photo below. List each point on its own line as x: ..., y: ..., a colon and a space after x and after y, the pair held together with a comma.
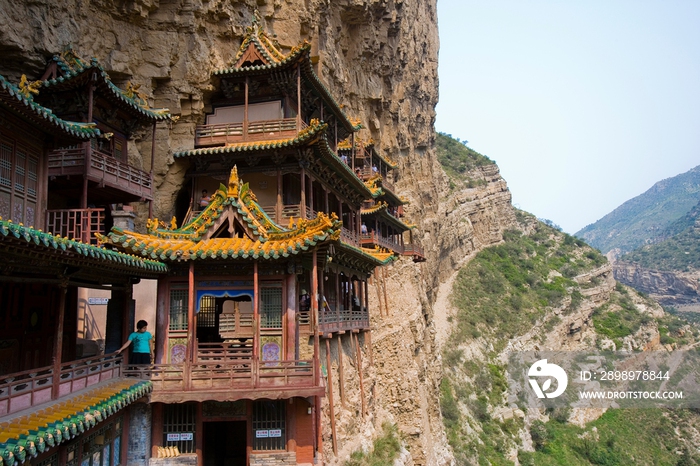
x: 583, y: 104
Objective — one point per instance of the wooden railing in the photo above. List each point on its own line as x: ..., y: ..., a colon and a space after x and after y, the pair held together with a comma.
x: 26, y: 389
x: 349, y: 237
x: 103, y: 168
x: 343, y: 320
x: 372, y: 238
x: 227, y: 375
x: 413, y: 250
x: 225, y: 133
x: 80, y: 224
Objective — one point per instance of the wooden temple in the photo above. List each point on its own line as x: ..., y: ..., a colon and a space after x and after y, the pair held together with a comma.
x: 285, y: 216
x: 56, y: 407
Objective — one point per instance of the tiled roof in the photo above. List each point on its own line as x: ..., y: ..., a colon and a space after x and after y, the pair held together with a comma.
x: 346, y: 144
x: 377, y: 256
x: 264, y: 239
x: 26, y: 436
x: 381, y: 209
x: 301, y: 54
x: 10, y: 230
x: 22, y: 102
x: 306, y: 136
x: 71, y: 67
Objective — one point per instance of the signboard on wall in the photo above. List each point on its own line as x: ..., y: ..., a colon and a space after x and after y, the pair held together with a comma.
x: 102, y: 301
x: 262, y: 433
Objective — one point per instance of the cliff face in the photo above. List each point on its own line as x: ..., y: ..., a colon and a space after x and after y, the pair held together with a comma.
x: 379, y: 58
x: 669, y: 288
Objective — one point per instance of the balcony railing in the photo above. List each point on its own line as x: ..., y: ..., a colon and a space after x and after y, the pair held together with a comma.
x: 225, y: 133
x: 80, y: 224
x: 104, y: 169
x: 23, y: 390
x: 349, y: 237
x: 225, y: 373
x: 342, y: 320
x: 414, y: 250
x: 372, y: 238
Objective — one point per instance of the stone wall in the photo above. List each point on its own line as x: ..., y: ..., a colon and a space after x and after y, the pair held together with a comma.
x: 182, y: 460
x: 273, y: 459
x: 139, y: 434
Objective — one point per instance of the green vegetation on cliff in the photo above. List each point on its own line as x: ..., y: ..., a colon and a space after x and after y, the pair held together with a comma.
x: 456, y: 158
x: 645, y: 218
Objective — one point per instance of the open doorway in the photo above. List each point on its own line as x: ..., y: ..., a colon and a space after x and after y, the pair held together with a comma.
x: 225, y: 443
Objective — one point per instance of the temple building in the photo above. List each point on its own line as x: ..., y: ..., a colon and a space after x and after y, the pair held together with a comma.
x: 56, y: 407
x: 283, y: 220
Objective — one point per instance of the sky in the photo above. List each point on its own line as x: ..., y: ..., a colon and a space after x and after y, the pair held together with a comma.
x: 583, y: 104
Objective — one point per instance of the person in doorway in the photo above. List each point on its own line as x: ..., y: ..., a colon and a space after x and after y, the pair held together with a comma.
x: 304, y: 301
x: 142, y: 351
x: 205, y: 199
x: 363, y: 228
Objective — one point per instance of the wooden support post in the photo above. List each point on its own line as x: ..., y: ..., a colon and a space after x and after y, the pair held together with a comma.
x: 359, y: 371
x: 314, y: 313
x: 341, y: 374
x: 386, y: 301
x: 150, y: 174
x: 330, y: 396
x: 379, y: 292
x: 156, y: 429
x: 302, y: 214
x: 58, y: 340
x: 298, y: 98
x: 256, y: 323
x: 191, y: 330
x: 292, y: 336
x: 199, y: 434
x: 278, y: 206
x: 162, y: 323
x: 245, y: 112
x: 124, y: 449
x: 88, y: 162
x: 368, y: 336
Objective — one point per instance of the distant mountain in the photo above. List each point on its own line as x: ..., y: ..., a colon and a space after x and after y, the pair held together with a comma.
x: 648, y: 218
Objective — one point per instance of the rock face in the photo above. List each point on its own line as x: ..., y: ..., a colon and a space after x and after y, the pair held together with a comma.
x: 379, y: 58
x: 669, y: 288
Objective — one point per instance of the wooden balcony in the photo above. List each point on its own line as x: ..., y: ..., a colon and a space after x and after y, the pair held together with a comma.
x: 373, y: 239
x: 414, y: 250
x: 23, y: 390
x: 227, y: 133
x: 104, y: 170
x: 349, y: 237
x: 342, y: 320
x: 228, y: 374
x: 78, y: 224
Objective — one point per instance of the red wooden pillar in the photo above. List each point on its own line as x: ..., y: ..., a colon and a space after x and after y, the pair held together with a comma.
x: 279, y: 205
x: 302, y: 212
x: 156, y: 429
x: 162, y: 323
x: 150, y: 175
x: 191, y: 335
x: 256, y: 322
x: 245, y: 112
x: 298, y: 98
x: 330, y: 396
x: 199, y: 434
x: 291, y: 317
x: 58, y: 340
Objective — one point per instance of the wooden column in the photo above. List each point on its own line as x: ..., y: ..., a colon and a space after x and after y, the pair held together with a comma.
x: 341, y: 374
x: 314, y: 314
x: 330, y: 396
x: 353, y: 152
x: 199, y: 434
x: 279, y: 206
x: 359, y: 371
x: 245, y: 112
x: 291, y: 317
x: 191, y: 330
x: 379, y: 291
x: 302, y: 214
x: 150, y: 174
x: 298, y: 98
x: 58, y: 340
x: 88, y: 157
x: 156, y: 429
x: 162, y: 323
x: 256, y: 322
x: 327, y: 205
x: 124, y: 449
x: 311, y: 194
x: 386, y: 301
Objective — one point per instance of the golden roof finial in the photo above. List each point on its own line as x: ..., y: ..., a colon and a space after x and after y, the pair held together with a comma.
x: 233, y: 182
x: 27, y: 89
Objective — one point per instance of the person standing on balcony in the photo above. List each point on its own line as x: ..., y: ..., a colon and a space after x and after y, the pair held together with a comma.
x: 363, y: 228
x: 142, y: 351
x: 205, y: 199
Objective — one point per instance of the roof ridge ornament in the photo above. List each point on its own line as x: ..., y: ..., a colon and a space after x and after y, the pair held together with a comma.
x: 233, y: 182
x: 27, y: 88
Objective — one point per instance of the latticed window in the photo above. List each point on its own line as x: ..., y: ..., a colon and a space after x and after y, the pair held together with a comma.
x: 269, y: 425
x: 19, y: 174
x: 50, y: 461
x: 178, y: 307
x: 206, y: 317
x: 271, y: 307
x: 179, y: 426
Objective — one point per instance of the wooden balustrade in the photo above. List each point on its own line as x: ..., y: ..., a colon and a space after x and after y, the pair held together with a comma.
x: 343, y: 320
x: 22, y: 390
x: 104, y: 169
x: 349, y: 237
x: 225, y: 133
x: 373, y: 238
x: 79, y: 224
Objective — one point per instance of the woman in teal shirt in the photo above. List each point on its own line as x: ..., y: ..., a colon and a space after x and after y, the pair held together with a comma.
x: 142, y: 352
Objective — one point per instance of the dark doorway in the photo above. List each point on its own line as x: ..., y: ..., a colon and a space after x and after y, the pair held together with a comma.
x: 225, y: 443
